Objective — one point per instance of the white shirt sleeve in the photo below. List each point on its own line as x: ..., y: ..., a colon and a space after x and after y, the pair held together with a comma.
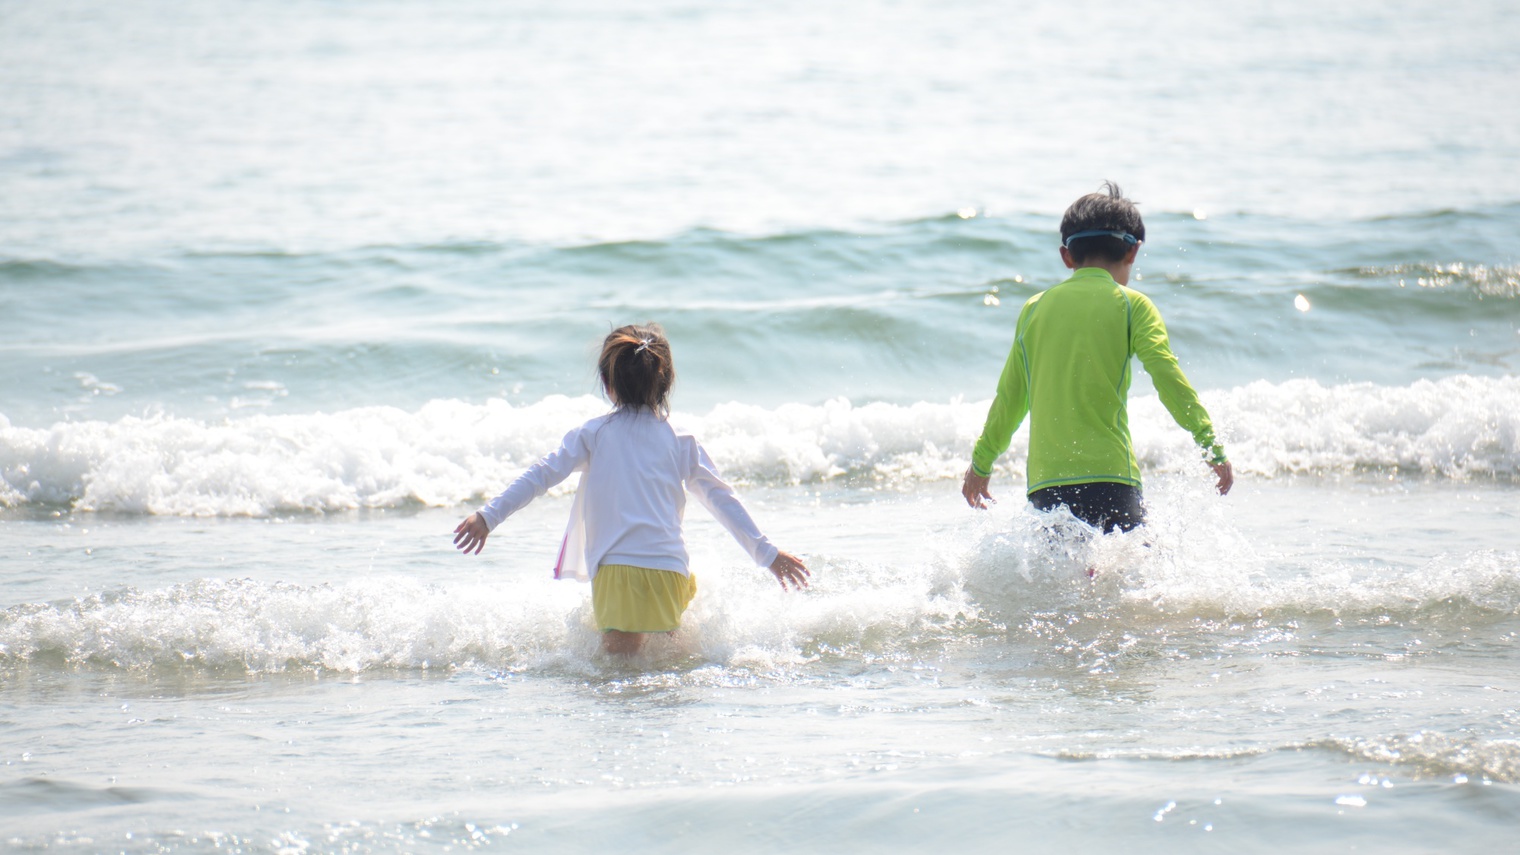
x: 555, y: 467
x: 719, y: 499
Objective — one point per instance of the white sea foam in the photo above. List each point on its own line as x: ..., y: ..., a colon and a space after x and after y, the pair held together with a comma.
x: 1163, y: 587
x: 1188, y: 562
x: 1191, y: 584
x: 372, y: 457
x: 450, y: 452
x: 257, y: 627
x: 738, y: 620
x: 1455, y: 427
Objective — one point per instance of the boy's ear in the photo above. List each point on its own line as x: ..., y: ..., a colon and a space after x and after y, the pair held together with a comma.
x: 1067, y: 260
x: 1134, y: 253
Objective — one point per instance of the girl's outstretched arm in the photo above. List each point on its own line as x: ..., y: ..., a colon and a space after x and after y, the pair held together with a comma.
x: 719, y: 499
x: 471, y: 534
x: 572, y: 454
x: 789, y: 569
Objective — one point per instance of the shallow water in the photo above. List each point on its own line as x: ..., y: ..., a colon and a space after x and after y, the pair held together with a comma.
x: 286, y: 290
x: 344, y: 681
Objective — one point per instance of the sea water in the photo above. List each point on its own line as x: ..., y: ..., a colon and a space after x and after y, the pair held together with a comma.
x: 287, y: 289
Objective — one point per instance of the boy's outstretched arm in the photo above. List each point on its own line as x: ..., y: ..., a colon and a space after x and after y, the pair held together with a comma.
x: 788, y: 569
x: 1009, y: 406
x: 1151, y: 343
x: 471, y: 534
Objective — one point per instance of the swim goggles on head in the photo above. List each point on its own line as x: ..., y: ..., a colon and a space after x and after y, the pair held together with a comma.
x: 1124, y: 236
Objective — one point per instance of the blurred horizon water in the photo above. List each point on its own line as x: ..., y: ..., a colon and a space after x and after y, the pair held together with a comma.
x: 319, y: 126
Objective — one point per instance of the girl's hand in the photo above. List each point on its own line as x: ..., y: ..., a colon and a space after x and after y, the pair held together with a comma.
x: 789, y: 570
x: 471, y: 534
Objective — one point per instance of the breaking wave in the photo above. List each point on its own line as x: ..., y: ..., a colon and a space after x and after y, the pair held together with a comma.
x: 450, y: 452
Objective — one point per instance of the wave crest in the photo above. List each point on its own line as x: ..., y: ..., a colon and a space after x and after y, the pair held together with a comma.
x: 1435, y: 755
x: 449, y: 452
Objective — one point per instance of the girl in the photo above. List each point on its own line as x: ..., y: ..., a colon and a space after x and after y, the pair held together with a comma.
x: 625, y: 526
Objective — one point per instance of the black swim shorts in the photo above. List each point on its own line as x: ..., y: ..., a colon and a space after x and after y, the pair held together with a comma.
x: 1103, y: 504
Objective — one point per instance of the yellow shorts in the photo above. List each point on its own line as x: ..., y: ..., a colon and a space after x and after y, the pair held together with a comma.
x: 637, y: 599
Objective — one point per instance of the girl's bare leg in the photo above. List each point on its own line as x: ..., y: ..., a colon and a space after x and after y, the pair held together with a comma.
x: 622, y: 643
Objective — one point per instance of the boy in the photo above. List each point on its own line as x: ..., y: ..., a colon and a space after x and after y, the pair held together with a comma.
x: 1069, y: 370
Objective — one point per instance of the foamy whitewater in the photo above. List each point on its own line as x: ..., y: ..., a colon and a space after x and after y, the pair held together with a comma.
x: 287, y: 289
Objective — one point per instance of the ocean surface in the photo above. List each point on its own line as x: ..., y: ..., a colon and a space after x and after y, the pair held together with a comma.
x: 288, y: 288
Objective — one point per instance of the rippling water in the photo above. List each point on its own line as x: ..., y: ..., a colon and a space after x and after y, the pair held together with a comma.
x: 286, y: 289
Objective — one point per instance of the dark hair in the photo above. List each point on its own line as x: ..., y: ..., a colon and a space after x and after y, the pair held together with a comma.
x: 1107, y: 210
x: 636, y: 368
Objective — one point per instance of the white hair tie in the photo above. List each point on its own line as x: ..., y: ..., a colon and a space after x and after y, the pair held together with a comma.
x: 644, y: 344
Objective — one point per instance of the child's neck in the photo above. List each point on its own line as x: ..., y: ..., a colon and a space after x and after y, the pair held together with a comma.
x: 1120, y: 269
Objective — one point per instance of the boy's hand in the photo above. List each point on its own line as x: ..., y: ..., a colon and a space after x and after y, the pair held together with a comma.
x: 974, y: 488
x: 471, y: 534
x: 1226, y: 475
x: 788, y: 569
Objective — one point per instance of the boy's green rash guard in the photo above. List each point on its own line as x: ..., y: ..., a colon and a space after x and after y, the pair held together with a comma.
x: 1069, y: 368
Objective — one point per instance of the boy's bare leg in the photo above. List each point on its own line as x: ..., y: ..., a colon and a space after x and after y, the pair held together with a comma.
x: 621, y: 643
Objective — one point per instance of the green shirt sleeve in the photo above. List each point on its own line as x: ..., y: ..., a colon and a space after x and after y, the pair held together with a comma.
x: 1008, y: 408
x: 1149, y: 341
